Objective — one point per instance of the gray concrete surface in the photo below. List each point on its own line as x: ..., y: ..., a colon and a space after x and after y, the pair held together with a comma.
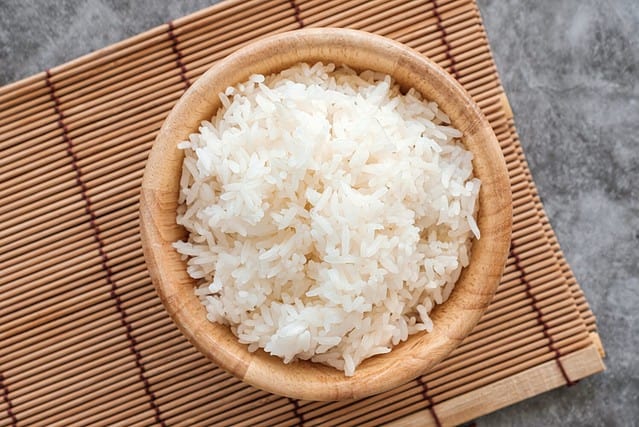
x: 571, y: 71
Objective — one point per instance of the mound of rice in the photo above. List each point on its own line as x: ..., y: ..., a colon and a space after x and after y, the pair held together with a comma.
x: 328, y: 213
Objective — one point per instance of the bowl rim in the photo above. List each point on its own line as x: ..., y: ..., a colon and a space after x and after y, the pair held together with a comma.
x: 305, y: 380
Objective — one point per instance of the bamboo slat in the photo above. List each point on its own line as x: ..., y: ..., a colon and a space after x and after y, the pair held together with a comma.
x: 84, y: 337
x: 460, y: 409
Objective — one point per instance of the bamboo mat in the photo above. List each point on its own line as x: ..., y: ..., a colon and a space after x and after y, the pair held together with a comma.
x: 84, y: 340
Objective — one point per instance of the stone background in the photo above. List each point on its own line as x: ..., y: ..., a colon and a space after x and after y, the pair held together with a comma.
x: 571, y: 71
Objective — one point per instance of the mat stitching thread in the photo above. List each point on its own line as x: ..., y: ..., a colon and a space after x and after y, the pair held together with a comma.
x: 431, y: 404
x: 178, y: 55
x: 540, y: 318
x: 298, y: 13
x: 7, y: 400
x: 444, y: 39
x: 296, y: 410
x: 104, y: 258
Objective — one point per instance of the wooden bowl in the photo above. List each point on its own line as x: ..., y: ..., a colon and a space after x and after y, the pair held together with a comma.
x: 452, y: 320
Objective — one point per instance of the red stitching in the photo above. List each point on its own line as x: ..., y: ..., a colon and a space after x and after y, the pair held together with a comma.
x: 441, y: 28
x: 103, y: 256
x: 178, y: 55
x: 7, y: 400
x: 426, y: 396
x: 296, y: 410
x: 298, y: 13
x: 540, y: 318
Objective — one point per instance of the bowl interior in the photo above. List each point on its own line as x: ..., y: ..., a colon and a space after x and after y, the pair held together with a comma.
x: 452, y: 320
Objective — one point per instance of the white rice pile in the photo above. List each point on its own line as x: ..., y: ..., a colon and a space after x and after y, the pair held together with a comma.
x: 328, y: 213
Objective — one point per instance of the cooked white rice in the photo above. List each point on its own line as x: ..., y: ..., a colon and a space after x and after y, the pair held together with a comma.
x: 328, y: 213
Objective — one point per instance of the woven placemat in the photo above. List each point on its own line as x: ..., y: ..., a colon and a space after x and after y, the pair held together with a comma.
x: 84, y: 338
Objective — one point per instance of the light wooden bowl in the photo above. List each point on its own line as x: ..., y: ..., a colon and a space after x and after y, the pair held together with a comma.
x: 452, y: 320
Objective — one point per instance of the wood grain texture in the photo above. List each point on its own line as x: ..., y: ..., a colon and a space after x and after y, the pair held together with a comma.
x: 499, y: 394
x: 453, y: 320
x: 68, y: 359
